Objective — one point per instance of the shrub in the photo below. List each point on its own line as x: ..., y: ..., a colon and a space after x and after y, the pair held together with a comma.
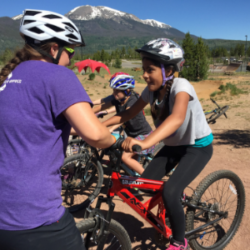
x: 214, y: 93
x: 91, y: 76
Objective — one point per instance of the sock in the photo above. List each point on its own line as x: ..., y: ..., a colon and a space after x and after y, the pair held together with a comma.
x: 177, y: 243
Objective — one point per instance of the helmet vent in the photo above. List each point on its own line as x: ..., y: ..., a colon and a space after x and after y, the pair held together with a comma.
x: 70, y: 25
x: 71, y: 36
x: 53, y: 27
x: 52, y: 16
x: 31, y: 13
x: 28, y: 21
x: 36, y: 30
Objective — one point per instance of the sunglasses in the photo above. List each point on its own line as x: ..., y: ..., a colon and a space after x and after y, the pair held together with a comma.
x: 70, y: 51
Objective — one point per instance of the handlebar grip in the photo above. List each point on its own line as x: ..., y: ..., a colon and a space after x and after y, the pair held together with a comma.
x: 136, y: 148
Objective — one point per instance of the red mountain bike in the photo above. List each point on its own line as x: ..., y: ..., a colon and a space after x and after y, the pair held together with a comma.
x: 213, y: 212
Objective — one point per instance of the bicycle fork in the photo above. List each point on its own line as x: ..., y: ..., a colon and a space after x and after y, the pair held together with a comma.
x: 102, y: 225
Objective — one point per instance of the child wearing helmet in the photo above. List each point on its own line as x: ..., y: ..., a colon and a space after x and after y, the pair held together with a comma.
x: 180, y: 123
x: 123, y: 98
x: 40, y: 100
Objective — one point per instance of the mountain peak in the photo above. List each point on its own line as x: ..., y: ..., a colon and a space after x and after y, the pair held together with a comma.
x: 88, y: 12
x: 17, y: 17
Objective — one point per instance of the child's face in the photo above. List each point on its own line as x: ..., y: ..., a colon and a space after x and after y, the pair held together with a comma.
x: 152, y: 75
x: 118, y: 94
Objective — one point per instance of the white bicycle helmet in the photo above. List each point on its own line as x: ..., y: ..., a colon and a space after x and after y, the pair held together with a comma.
x: 40, y: 26
x: 165, y: 51
x: 122, y: 81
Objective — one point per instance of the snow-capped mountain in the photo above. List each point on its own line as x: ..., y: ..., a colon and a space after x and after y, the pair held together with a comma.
x: 17, y: 17
x: 88, y: 12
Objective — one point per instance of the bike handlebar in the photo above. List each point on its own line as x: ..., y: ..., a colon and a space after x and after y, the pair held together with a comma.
x: 118, y: 145
x: 137, y: 148
x: 100, y: 115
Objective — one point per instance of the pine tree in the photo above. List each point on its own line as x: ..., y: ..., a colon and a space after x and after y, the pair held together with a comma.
x: 118, y: 63
x: 200, y: 60
x: 188, y: 70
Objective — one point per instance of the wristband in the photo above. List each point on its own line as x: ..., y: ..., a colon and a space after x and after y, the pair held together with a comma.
x: 114, y: 138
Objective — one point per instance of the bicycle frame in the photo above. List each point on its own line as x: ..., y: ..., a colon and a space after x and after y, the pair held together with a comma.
x: 119, y: 186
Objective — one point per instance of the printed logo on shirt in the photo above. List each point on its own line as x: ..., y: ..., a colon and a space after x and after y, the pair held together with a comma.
x: 9, y: 80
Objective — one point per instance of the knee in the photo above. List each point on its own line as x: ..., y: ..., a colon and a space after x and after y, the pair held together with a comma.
x: 170, y: 193
x: 125, y: 157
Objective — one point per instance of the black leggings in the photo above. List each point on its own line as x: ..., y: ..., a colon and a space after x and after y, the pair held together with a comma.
x: 61, y: 235
x: 191, y: 162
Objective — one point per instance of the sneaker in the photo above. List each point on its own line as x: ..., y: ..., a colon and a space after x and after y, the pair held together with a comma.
x: 175, y: 246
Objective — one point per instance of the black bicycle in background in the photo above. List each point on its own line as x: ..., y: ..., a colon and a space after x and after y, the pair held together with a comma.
x: 212, y: 115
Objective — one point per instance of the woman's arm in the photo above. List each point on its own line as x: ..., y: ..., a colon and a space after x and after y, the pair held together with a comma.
x: 168, y: 126
x: 127, y: 114
x: 87, y: 125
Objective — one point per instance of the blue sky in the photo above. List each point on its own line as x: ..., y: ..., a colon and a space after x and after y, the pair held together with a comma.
x: 225, y: 19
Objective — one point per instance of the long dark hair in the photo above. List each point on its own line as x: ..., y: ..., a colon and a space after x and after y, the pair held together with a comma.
x: 165, y: 111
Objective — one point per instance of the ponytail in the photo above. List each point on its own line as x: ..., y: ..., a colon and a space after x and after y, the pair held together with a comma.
x: 22, y: 55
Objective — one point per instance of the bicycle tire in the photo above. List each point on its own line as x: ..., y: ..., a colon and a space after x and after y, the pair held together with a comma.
x: 222, y: 238
x: 115, y: 228
x: 82, y: 178
x: 216, y: 115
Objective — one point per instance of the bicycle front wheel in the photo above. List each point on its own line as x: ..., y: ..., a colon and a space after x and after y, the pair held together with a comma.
x: 117, y: 238
x: 82, y: 178
x: 221, y: 191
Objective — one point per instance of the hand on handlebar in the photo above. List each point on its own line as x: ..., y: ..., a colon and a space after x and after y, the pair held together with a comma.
x: 129, y: 142
x: 101, y: 114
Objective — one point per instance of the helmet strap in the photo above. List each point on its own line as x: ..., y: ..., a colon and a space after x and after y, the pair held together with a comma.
x: 127, y: 94
x: 44, y: 53
x: 165, y: 79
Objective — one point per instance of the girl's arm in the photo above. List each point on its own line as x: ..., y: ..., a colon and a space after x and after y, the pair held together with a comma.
x: 111, y: 110
x: 168, y: 126
x: 86, y: 124
x: 102, y: 107
x: 103, y: 100
x: 97, y: 102
x: 112, y: 128
x: 127, y: 114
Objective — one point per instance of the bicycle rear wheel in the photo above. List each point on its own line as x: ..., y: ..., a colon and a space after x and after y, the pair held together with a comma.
x: 117, y: 238
x: 217, y: 114
x: 82, y: 178
x: 221, y: 191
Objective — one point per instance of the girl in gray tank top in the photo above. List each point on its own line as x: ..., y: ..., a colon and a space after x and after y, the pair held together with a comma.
x: 180, y: 123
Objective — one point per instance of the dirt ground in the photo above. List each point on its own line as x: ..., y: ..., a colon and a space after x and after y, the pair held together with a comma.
x: 231, y: 151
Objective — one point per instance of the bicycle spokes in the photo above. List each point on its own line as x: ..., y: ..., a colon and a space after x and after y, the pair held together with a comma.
x: 221, y: 196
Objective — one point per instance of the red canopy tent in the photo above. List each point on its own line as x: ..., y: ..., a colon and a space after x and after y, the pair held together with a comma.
x: 93, y: 65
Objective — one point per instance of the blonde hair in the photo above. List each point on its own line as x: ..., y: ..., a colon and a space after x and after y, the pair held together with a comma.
x: 22, y: 55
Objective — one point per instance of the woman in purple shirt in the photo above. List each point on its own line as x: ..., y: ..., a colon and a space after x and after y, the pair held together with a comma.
x: 40, y: 99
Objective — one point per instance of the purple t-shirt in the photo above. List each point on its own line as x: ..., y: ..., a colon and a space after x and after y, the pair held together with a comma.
x: 33, y: 140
